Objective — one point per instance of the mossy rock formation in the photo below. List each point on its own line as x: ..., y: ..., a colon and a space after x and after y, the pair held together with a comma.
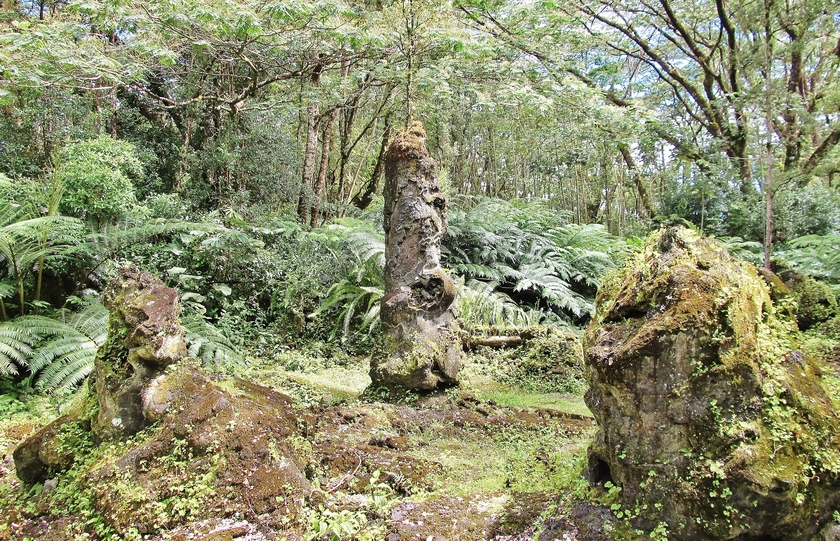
x: 420, y: 348
x: 709, y: 419
x: 144, y: 337
x: 815, y: 301
x: 215, y: 450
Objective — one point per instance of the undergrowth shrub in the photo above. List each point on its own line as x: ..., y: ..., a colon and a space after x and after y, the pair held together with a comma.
x: 549, y: 360
x: 530, y: 253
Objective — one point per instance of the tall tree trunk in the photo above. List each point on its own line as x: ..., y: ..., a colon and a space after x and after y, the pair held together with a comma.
x: 641, y: 189
x: 312, y: 121
x: 768, y: 125
x: 326, y: 146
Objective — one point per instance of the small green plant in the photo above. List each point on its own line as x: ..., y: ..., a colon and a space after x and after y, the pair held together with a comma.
x: 328, y: 525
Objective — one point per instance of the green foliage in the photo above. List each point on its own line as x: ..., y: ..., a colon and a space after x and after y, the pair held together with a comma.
x: 328, y: 525
x: 30, y: 239
x: 530, y: 252
x: 815, y: 255
x: 358, y: 293
x: 813, y: 210
x: 479, y: 303
x: 548, y: 360
x: 815, y: 300
x: 59, y: 351
x: 98, y: 175
x: 743, y: 249
x: 15, y: 348
x: 66, y: 346
x: 208, y: 343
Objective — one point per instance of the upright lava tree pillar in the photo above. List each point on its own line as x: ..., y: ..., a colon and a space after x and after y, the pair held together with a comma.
x: 420, y: 350
x: 144, y: 337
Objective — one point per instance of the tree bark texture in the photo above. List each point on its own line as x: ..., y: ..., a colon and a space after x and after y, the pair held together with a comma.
x: 420, y: 348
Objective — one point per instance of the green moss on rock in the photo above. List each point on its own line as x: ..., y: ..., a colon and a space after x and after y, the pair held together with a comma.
x: 709, y: 416
x: 815, y: 301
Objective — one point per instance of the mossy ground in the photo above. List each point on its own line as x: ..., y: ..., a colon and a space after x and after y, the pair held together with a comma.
x: 491, y: 460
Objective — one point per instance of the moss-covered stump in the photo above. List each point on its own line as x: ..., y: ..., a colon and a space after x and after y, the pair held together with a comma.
x: 144, y: 337
x: 710, y: 421
x: 420, y: 349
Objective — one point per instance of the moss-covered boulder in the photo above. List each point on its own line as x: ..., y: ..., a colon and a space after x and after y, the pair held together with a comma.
x: 815, y: 301
x: 214, y: 451
x: 144, y: 337
x: 52, y: 449
x: 420, y: 349
x: 710, y: 421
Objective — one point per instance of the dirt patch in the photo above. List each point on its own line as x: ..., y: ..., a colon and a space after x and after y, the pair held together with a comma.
x: 449, y: 518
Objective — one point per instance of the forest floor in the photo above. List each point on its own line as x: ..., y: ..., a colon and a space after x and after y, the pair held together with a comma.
x: 485, y: 461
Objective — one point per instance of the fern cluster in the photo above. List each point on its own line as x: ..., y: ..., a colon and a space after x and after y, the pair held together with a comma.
x: 815, y: 255
x: 515, y: 264
x: 358, y: 293
x: 529, y: 253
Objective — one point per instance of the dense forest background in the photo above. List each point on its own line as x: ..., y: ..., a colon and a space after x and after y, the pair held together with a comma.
x: 235, y: 148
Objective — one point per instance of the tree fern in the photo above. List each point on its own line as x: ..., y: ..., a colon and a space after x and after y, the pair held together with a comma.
x: 29, y: 241
x: 15, y: 348
x: 67, y: 346
x: 478, y: 303
x: 355, y: 297
x: 60, y: 351
x: 817, y: 255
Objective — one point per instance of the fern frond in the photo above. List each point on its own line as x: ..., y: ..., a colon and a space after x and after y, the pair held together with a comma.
x: 485, y: 272
x: 15, y: 347
x: 743, y: 249
x: 207, y: 343
x: 817, y: 255
x: 65, y: 350
x: 71, y: 375
x: 479, y: 304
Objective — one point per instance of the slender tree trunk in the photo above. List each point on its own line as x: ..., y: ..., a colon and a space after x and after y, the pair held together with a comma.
x: 768, y: 214
x: 364, y: 198
x: 21, y: 294
x: 768, y: 120
x: 312, y: 121
x: 411, y: 37
x: 645, y: 199
x: 362, y: 160
x: 326, y: 146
